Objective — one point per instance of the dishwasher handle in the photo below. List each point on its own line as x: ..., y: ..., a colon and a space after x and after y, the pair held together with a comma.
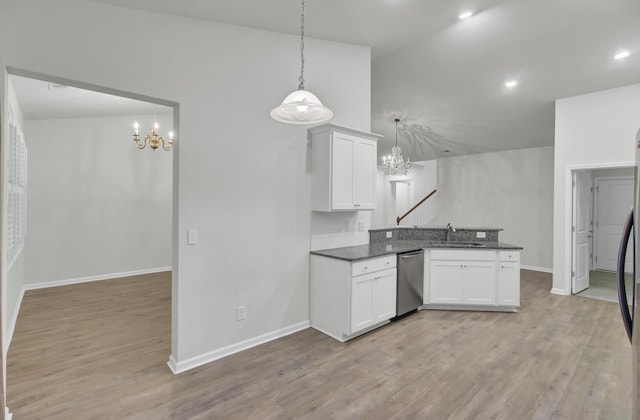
x: 410, y: 254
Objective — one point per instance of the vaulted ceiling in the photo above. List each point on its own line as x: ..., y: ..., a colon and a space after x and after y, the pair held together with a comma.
x: 444, y: 77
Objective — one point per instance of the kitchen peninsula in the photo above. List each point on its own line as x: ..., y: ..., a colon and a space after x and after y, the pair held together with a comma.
x: 353, y: 289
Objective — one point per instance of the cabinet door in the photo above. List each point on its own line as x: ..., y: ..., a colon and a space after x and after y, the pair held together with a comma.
x: 362, y: 298
x: 385, y: 296
x: 342, y: 171
x: 509, y: 283
x: 365, y: 175
x: 445, y: 284
x: 479, y: 283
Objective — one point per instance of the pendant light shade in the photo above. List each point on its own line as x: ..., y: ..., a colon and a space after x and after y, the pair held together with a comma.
x: 301, y: 106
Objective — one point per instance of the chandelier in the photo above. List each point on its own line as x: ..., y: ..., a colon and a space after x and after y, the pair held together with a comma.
x: 394, y: 164
x: 152, y: 139
x: 301, y: 106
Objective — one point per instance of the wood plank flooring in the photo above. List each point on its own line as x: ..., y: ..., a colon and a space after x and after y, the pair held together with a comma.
x: 99, y: 351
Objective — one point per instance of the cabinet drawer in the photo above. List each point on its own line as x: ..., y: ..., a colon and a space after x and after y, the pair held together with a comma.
x: 373, y: 265
x: 463, y: 255
x: 509, y: 255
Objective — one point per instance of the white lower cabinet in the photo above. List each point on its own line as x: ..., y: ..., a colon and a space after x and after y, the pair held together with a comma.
x: 347, y: 299
x: 373, y: 299
x: 446, y: 282
x: 479, y: 283
x: 509, y: 279
x: 457, y: 279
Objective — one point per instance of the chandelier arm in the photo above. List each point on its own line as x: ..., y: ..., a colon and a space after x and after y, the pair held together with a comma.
x: 142, y: 145
x: 166, y: 149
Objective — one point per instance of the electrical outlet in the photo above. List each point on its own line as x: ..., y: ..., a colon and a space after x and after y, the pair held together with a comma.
x: 389, y: 234
x: 241, y: 313
x: 361, y: 226
x: 481, y: 235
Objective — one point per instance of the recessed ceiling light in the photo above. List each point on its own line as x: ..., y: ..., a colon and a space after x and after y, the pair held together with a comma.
x: 622, y: 54
x: 511, y: 83
x: 465, y: 15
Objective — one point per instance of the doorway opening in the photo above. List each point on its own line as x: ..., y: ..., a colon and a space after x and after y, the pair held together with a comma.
x: 601, y: 200
x: 97, y: 207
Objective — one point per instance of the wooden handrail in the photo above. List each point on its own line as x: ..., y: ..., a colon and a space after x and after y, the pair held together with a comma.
x: 399, y: 219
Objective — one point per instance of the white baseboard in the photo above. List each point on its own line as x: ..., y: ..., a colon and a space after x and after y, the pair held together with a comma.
x: 193, y: 362
x: 7, y: 415
x: 99, y: 277
x: 534, y: 268
x: 12, y: 322
x: 557, y: 291
x: 33, y: 286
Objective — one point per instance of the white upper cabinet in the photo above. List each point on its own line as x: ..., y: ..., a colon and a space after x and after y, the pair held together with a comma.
x: 343, y: 168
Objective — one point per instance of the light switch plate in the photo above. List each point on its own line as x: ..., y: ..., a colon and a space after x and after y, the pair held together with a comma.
x: 192, y: 236
x: 481, y: 235
x: 241, y: 313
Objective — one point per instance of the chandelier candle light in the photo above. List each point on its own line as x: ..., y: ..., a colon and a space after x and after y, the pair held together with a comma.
x: 152, y: 139
x: 301, y: 106
x: 394, y: 164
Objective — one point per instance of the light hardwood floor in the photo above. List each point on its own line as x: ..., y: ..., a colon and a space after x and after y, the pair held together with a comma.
x: 99, y: 350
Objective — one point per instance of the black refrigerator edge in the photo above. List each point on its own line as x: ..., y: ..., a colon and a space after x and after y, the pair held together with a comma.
x: 629, y: 309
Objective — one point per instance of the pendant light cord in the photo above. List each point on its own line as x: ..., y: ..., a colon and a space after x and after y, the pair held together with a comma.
x: 397, y: 120
x: 301, y: 78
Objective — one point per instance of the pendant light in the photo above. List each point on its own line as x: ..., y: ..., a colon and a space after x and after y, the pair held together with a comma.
x: 394, y: 164
x: 301, y: 106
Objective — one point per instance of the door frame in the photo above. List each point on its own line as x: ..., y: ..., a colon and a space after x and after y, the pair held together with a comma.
x: 568, y: 215
x: 6, y: 335
x: 392, y: 207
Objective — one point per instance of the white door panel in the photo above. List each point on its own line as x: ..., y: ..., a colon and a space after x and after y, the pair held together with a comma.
x: 582, y: 210
x: 613, y: 200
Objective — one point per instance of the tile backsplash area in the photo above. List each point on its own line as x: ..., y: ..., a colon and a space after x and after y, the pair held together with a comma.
x: 338, y: 229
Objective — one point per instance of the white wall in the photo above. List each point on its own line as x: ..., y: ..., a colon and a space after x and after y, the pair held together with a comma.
x: 241, y: 178
x: 512, y: 190
x: 613, y: 173
x: 338, y: 229
x: 97, y: 204
x: 592, y: 130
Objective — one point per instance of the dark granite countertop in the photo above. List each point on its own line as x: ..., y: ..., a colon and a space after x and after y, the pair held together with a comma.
x: 362, y: 252
x: 384, y: 228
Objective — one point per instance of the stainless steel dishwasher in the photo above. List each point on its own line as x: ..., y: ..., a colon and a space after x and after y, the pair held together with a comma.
x: 410, y: 281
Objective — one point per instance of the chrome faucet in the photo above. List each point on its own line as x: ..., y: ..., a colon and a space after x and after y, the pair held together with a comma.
x: 449, y: 230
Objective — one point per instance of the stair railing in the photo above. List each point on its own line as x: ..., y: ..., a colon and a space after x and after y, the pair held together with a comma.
x: 399, y: 218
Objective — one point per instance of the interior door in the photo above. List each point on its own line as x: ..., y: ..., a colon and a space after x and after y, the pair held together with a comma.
x: 614, y: 198
x: 581, y: 230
